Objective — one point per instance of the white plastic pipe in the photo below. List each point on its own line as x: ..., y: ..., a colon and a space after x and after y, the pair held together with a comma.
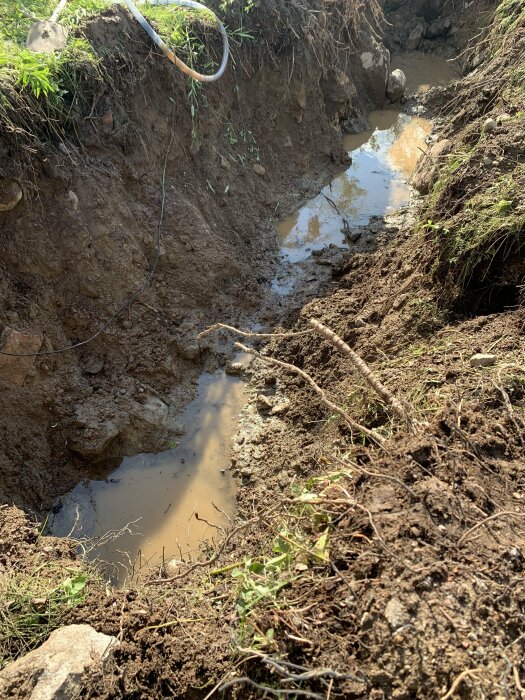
x: 169, y: 53
x: 58, y: 10
x: 162, y: 45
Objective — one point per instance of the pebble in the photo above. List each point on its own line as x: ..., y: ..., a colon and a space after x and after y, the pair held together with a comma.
x: 259, y: 169
x: 482, y: 360
x: 396, y: 613
x: 225, y: 163
x: 490, y: 126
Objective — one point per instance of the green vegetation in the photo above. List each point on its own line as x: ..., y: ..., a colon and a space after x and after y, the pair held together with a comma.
x: 475, y: 214
x: 57, y: 87
x: 34, y: 603
x: 492, y: 223
x: 509, y: 15
x: 300, y: 544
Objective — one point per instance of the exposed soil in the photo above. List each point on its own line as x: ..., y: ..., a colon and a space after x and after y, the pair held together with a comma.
x: 420, y: 593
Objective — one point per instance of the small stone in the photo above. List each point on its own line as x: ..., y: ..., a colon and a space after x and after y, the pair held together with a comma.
x: 225, y: 163
x: 259, y: 169
x: 10, y: 193
x: 73, y: 199
x: 482, y: 360
x: 397, y: 82
x: 396, y: 613
x: 264, y: 403
x: 235, y: 369
x: 487, y: 162
x: 288, y: 143
x: 94, y: 365
x: 490, y: 126
x: 280, y: 407
x: 171, y: 568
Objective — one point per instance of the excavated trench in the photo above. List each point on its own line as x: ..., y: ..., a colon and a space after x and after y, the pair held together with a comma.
x: 109, y: 438
x: 161, y: 506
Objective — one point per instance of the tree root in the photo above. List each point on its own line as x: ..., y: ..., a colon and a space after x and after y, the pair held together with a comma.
x: 365, y: 371
x: 354, y: 425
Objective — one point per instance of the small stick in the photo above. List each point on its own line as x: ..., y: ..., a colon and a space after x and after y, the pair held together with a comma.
x: 248, y: 334
x: 459, y: 679
x: 484, y: 522
x: 364, y: 370
x: 354, y: 425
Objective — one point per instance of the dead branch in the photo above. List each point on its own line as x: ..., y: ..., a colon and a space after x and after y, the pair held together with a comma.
x: 365, y: 371
x: 267, y: 690
x: 249, y: 334
x: 354, y: 425
x: 507, y: 513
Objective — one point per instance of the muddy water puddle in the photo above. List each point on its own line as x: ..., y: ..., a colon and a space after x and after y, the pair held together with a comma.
x: 162, y: 506
x: 424, y: 71
x: 375, y: 184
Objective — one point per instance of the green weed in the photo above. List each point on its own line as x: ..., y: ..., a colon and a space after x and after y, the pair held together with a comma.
x: 301, y: 541
x: 33, y: 604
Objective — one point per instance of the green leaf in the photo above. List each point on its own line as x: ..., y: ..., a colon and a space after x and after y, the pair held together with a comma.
x: 74, y: 586
x: 320, y: 551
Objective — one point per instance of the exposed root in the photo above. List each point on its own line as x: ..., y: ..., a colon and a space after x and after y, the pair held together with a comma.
x: 365, y: 371
x: 249, y: 334
x: 509, y: 514
x: 354, y: 425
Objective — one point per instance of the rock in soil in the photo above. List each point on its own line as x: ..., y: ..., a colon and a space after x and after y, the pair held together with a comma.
x: 14, y: 370
x: 57, y: 668
x: 10, y: 194
x: 397, y: 82
x: 396, y: 613
x: 482, y: 360
x: 490, y: 126
x: 415, y: 37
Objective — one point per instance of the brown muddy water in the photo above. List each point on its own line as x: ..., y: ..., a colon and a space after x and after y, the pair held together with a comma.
x: 376, y: 184
x: 157, y: 507
x: 424, y: 71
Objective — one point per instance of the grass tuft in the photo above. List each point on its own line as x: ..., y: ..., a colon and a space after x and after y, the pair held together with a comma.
x: 33, y: 604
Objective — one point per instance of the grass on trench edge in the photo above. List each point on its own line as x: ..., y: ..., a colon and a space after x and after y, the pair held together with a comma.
x: 34, y: 602
x: 42, y: 74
